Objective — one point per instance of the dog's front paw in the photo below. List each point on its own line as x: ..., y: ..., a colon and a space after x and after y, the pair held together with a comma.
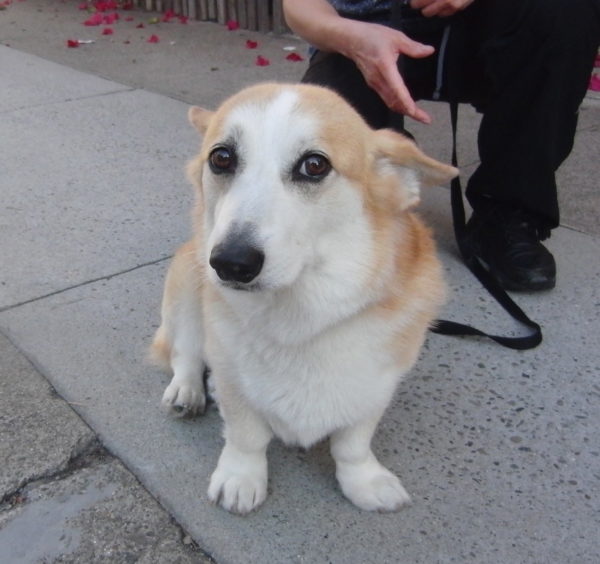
x: 373, y: 489
x: 239, y: 486
x: 183, y: 399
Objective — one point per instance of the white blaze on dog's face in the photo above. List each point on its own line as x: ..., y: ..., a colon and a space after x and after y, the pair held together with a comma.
x: 285, y: 172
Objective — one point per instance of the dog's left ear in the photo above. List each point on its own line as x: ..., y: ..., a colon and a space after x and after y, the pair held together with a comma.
x: 200, y: 118
x: 403, y: 155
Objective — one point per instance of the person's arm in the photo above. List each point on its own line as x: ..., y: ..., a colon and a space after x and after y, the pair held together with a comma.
x: 374, y: 48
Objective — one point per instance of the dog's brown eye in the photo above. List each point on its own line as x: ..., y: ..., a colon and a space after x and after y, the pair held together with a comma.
x: 313, y: 167
x: 222, y: 159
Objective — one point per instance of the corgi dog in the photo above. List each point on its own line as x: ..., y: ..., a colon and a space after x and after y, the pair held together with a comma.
x: 307, y: 287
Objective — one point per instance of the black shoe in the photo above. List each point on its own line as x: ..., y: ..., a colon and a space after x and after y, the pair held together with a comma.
x: 508, y: 244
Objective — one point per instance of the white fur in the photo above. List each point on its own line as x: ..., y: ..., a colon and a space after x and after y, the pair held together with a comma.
x: 301, y: 357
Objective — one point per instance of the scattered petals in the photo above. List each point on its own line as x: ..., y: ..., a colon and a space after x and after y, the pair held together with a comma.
x: 110, y: 19
x: 168, y: 16
x: 107, y: 31
x: 153, y: 39
x: 232, y: 25
x: 294, y: 57
x: 140, y: 26
x: 73, y: 43
x: 183, y: 19
x: 129, y: 18
x: 595, y: 83
x: 106, y: 5
x: 94, y: 19
x: 83, y: 6
x: 251, y: 44
x: 262, y: 61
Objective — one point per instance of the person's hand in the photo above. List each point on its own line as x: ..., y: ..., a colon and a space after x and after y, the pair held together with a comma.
x: 375, y: 50
x: 441, y: 8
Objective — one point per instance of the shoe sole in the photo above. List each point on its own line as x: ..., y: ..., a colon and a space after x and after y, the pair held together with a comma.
x: 512, y: 286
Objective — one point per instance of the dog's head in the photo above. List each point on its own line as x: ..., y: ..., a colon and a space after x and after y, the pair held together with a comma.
x: 291, y: 179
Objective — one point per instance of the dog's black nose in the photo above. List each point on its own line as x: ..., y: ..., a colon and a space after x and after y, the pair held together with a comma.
x: 237, y: 261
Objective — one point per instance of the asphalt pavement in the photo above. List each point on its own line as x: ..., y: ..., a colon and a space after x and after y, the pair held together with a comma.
x: 499, y: 449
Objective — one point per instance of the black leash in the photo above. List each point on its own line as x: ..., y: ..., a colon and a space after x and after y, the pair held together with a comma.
x: 489, y: 282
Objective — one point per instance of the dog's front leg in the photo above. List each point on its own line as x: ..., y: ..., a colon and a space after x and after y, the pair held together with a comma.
x: 364, y: 481
x: 179, y: 340
x: 239, y: 483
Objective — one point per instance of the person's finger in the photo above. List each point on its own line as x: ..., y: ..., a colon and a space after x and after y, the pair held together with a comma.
x: 441, y: 8
x: 412, y: 48
x: 401, y: 100
x: 397, y: 97
x: 419, y: 4
x: 426, y: 6
x: 437, y: 9
x: 421, y: 115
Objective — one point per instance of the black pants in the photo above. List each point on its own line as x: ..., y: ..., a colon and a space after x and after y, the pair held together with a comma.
x: 525, y: 64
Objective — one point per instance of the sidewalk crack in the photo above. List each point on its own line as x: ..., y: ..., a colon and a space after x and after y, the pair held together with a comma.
x: 81, y: 284
x: 82, y: 456
x: 69, y: 100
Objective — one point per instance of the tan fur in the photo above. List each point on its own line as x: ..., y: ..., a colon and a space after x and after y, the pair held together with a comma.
x: 185, y: 275
x: 160, y: 350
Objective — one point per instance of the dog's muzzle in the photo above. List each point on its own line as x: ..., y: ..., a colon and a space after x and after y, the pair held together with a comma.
x: 236, y: 260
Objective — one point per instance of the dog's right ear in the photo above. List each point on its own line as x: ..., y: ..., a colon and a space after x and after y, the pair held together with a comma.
x: 200, y: 118
x: 403, y: 152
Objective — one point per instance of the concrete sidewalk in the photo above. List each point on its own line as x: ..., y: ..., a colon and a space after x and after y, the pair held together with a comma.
x: 499, y: 449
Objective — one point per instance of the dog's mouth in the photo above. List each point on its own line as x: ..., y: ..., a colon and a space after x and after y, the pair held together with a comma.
x: 241, y: 287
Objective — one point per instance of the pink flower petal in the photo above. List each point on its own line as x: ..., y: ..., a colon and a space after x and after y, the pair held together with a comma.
x: 251, y: 44
x: 140, y: 26
x: 595, y: 83
x: 294, y: 57
x: 107, y: 31
x: 94, y: 19
x: 168, y: 16
x: 262, y: 61
x: 107, y: 5
x: 153, y: 39
x: 110, y: 19
x: 232, y: 25
x: 183, y: 19
x: 71, y: 43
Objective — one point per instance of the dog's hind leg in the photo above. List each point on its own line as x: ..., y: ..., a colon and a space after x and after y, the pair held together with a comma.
x: 180, y: 338
x: 364, y: 481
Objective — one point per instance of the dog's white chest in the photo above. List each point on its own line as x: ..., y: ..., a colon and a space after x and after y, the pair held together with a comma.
x: 308, y: 391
